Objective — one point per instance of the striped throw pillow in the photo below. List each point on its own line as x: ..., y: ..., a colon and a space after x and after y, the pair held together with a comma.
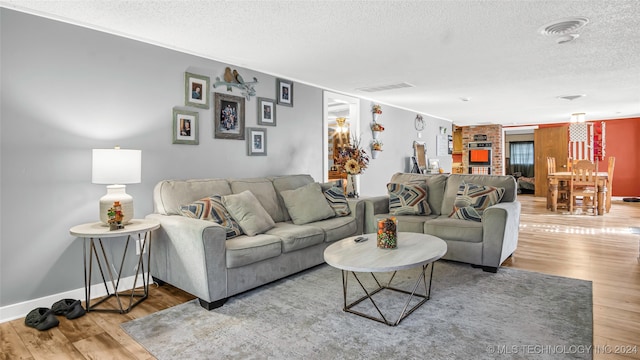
x: 472, y: 200
x: 212, y: 209
x: 408, y: 199
x: 337, y: 201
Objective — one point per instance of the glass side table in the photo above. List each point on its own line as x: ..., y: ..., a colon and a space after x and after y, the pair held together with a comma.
x: 94, y: 235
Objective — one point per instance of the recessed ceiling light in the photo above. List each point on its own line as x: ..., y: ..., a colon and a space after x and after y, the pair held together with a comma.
x: 571, y: 97
x: 566, y: 38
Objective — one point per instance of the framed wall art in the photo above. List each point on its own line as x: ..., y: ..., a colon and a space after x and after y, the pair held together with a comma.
x: 256, y: 141
x: 266, y: 112
x: 284, y: 89
x: 228, y: 119
x: 196, y: 90
x: 185, y: 127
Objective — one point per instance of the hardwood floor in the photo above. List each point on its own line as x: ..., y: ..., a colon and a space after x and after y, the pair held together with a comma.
x: 601, y: 249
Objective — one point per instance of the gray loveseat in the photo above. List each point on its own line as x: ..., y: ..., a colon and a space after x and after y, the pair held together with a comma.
x: 484, y: 244
x: 196, y: 256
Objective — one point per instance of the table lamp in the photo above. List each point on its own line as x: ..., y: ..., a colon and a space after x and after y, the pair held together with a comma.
x: 116, y: 167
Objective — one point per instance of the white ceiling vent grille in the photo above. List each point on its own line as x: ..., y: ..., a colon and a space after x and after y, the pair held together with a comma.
x: 385, y: 87
x: 563, y: 26
x: 571, y: 97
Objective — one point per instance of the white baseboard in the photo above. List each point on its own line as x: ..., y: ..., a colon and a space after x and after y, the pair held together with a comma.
x: 20, y: 310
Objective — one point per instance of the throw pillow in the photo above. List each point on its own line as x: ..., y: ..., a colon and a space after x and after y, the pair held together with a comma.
x: 307, y: 204
x: 212, y: 209
x: 472, y: 200
x: 337, y: 201
x: 408, y: 199
x: 248, y: 212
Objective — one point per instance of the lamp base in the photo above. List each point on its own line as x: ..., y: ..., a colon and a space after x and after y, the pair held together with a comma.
x: 116, y: 193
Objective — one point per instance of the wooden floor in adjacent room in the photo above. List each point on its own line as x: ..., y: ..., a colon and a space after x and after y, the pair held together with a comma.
x: 602, y: 249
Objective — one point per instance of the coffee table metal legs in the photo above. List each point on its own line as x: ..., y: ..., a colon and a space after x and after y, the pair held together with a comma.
x: 406, y: 311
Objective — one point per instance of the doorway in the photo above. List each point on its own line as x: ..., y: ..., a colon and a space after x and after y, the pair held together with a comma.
x: 341, y: 120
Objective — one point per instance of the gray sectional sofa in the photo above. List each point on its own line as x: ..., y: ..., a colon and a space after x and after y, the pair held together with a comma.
x: 484, y: 244
x: 196, y: 256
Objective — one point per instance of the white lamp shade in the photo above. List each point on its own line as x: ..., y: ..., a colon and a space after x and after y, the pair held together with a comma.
x: 116, y: 166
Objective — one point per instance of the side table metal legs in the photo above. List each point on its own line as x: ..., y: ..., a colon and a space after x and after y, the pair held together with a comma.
x: 96, y: 251
x: 406, y: 311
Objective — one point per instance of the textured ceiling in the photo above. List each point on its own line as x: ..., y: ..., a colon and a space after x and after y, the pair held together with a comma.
x: 489, y: 52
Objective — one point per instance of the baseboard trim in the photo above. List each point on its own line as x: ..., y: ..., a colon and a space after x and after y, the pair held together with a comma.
x: 20, y: 310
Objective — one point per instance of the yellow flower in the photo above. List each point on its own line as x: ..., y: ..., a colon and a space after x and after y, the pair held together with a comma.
x: 352, y: 167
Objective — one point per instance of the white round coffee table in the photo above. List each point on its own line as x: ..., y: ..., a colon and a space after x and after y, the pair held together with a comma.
x: 414, y: 249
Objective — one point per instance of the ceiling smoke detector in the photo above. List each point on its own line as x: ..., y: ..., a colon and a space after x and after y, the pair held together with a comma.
x: 566, y: 38
x: 563, y: 26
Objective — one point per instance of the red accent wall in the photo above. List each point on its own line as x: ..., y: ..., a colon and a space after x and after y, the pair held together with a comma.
x: 622, y: 140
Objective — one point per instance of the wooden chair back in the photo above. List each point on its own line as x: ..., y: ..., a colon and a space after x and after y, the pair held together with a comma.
x: 551, y: 164
x: 612, y: 164
x: 584, y: 174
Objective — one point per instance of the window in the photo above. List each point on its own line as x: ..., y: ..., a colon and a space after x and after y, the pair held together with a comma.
x: 521, y: 157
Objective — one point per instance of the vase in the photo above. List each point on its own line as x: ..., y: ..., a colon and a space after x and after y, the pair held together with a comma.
x: 387, y: 235
x: 352, y: 186
x: 376, y: 134
x: 374, y: 153
x: 376, y: 116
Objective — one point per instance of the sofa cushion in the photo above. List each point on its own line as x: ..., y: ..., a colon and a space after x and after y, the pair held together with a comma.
x: 245, y: 250
x: 472, y: 199
x: 307, y: 204
x: 436, y: 184
x: 288, y: 182
x: 247, y: 211
x: 212, y: 209
x: 337, y: 201
x: 169, y: 195
x: 296, y: 237
x: 263, y: 190
x: 337, y: 228
x: 407, y: 223
x: 408, y: 199
x: 454, y: 230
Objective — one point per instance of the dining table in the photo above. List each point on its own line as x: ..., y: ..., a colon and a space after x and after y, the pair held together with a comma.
x: 555, y: 178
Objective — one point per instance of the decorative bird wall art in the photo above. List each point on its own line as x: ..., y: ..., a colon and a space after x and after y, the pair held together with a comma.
x: 234, y: 79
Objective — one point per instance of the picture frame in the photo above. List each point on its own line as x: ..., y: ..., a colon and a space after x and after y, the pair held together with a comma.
x: 194, y: 84
x: 256, y: 141
x: 266, y: 112
x: 185, y: 127
x: 284, y: 91
x: 228, y: 119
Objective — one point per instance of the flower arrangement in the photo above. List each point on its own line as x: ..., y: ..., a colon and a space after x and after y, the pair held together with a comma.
x: 376, y: 109
x: 376, y: 145
x: 352, y: 159
x: 377, y: 127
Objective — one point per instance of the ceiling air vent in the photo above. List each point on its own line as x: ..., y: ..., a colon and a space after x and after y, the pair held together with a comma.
x: 563, y: 26
x: 385, y: 87
x: 571, y: 97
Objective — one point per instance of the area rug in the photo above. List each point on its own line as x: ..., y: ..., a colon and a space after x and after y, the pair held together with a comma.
x: 472, y: 314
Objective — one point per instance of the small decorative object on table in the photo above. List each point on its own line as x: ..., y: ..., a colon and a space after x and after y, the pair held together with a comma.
x: 387, y: 233
x: 115, y: 216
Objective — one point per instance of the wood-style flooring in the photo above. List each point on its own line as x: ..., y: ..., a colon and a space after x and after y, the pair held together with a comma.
x: 602, y: 249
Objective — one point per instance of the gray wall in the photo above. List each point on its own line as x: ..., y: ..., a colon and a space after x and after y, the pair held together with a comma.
x: 66, y: 90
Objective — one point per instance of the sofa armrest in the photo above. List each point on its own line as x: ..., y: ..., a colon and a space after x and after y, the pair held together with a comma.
x: 372, y: 206
x: 500, y: 226
x: 357, y: 211
x: 191, y: 255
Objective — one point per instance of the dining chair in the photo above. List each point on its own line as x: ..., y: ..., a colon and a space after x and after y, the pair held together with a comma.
x: 584, y: 184
x: 563, y: 186
x: 612, y: 163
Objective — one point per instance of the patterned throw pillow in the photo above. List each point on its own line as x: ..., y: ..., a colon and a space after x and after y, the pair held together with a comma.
x: 473, y: 199
x: 408, y: 199
x: 212, y: 209
x: 337, y: 201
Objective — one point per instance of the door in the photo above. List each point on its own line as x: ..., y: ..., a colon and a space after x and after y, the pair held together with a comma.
x: 549, y: 141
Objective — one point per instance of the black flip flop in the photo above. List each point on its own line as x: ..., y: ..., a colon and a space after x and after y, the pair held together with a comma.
x: 70, y: 308
x: 41, y: 319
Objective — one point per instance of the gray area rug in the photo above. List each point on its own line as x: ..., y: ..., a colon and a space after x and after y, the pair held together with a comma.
x: 472, y: 314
